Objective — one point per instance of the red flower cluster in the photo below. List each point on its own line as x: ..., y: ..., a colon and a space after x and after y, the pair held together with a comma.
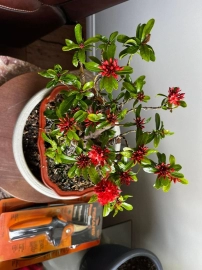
x: 83, y: 161
x: 106, y: 191
x: 164, y: 170
x: 98, y: 155
x: 111, y: 117
x: 140, y: 96
x: 175, y: 96
x: 109, y: 68
x: 66, y: 124
x: 140, y: 122
x: 138, y: 155
x: 125, y: 178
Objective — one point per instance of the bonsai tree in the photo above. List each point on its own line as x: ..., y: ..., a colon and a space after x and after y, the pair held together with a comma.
x: 85, y: 117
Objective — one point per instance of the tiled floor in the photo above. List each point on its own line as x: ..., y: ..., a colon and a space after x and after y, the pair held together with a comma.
x: 109, y: 235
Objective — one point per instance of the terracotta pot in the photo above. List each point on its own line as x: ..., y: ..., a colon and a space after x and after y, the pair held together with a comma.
x: 41, y: 146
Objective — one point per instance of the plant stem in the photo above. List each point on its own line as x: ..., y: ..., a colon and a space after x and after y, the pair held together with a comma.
x: 82, y: 74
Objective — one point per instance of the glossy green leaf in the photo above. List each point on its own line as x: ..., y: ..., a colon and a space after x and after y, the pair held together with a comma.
x: 88, y: 85
x: 82, y: 56
x: 93, y: 174
x: 65, y: 105
x: 106, y: 210
x: 113, y: 36
x: 78, y: 33
x: 111, y: 51
x: 122, y: 38
x: 167, y: 188
x: 127, y: 206
x: 157, y: 120
x: 172, y: 160
x: 145, y: 52
x: 70, y: 47
x: 91, y: 40
x: 125, y: 70
x: 147, y: 29
x: 72, y: 171
x: 92, y: 66
x: 184, y: 181
x: 149, y: 169
x: 93, y: 199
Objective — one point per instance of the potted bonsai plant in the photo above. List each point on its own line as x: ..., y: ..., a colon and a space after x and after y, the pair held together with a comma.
x: 78, y: 122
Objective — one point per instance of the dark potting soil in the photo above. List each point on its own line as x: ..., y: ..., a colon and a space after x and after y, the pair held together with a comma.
x: 57, y: 173
x: 138, y: 263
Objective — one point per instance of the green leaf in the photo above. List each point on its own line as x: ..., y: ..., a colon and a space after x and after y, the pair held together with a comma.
x: 65, y: 105
x: 167, y: 188
x: 70, y: 47
x: 102, y: 125
x: 113, y: 36
x: 69, y: 42
x: 172, y: 160
x: 88, y: 85
x: 127, y: 206
x: 129, y: 87
x: 157, y: 184
x: 184, y: 181
x: 91, y: 41
x: 161, y: 157
x: 183, y: 104
x: 92, y: 66
x: 149, y: 169
x: 80, y: 116
x: 145, y: 52
x: 95, y: 59
x: 72, y: 171
x: 106, y: 210
x: 68, y: 159
x: 83, y: 105
x: 93, y: 199
x: 95, y: 117
x: 69, y: 135
x: 111, y: 51
x: 122, y: 38
x: 109, y: 84
x: 50, y: 114
x: 130, y: 50
x: 75, y: 60
x: 127, y: 154
x: 78, y: 33
x: 84, y: 172
x: 50, y: 153
x: 157, y: 120
x: 93, y: 174
x: 147, y: 29
x: 177, y: 174
x: 46, y: 74
x: 82, y: 56
x: 48, y: 140
x: 157, y: 139
x: 125, y: 70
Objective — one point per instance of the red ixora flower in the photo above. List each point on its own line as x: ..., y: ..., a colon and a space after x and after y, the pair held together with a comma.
x: 125, y: 178
x: 138, y: 155
x: 83, y: 161
x: 109, y: 68
x: 140, y: 122
x: 66, y: 124
x: 98, y: 155
x: 164, y: 170
x: 106, y: 191
x: 174, y: 95
x: 140, y: 96
x: 111, y: 117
